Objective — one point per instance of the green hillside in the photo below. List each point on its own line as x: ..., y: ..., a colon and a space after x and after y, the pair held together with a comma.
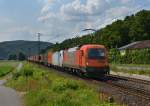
x: 14, y: 47
x: 122, y: 32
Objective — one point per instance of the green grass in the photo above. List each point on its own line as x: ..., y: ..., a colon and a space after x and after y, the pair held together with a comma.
x: 5, y: 70
x: 133, y: 71
x: 6, y: 67
x: 47, y: 88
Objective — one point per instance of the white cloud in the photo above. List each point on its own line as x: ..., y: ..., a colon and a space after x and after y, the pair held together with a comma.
x: 92, y: 7
x: 45, y: 8
x: 126, y: 1
x: 47, y: 16
x: 47, y: 5
x: 74, y: 16
x: 120, y: 1
x: 77, y: 11
x: 117, y: 12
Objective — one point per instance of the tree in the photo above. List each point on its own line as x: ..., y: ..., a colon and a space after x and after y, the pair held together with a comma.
x: 21, y: 56
x: 12, y: 57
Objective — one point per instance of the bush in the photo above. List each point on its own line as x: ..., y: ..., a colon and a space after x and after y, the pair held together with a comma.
x: 62, y: 85
x: 71, y: 84
x: 68, y: 98
x: 37, y: 98
x: 16, y: 75
x: 27, y: 72
x: 139, y: 56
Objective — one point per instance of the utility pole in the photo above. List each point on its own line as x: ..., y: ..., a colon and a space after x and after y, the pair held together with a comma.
x: 39, y: 43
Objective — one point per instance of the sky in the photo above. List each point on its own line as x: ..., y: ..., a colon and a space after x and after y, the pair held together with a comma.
x: 58, y: 20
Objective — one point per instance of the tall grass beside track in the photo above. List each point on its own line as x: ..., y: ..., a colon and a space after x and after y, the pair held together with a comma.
x: 46, y: 88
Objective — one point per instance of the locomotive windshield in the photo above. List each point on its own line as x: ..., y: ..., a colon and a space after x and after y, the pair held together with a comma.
x: 96, y: 53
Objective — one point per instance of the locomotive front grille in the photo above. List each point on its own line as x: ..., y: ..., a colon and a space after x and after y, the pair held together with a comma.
x: 97, y: 70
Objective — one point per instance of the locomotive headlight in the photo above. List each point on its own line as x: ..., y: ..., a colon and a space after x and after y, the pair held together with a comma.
x: 87, y: 63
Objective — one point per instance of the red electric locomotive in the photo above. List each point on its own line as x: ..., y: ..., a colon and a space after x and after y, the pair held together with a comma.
x: 90, y: 59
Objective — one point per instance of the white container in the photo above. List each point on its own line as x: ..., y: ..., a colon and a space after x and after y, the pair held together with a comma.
x: 55, y: 58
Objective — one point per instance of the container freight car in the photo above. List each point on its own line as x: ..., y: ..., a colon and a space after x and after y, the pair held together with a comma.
x: 41, y: 59
x: 45, y: 59
x: 37, y: 58
x: 49, y: 58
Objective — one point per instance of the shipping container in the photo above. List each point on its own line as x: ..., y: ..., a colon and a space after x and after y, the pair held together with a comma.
x: 55, y: 58
x: 49, y: 58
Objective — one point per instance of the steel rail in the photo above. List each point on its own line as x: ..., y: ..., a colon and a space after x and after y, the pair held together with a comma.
x: 130, y: 79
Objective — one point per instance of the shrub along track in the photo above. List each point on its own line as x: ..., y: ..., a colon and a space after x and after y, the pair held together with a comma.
x: 123, y: 90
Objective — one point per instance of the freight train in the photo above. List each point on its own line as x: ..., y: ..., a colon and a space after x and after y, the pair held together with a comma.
x: 88, y: 60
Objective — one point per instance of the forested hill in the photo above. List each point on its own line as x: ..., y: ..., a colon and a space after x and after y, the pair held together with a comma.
x: 26, y: 47
x: 133, y: 28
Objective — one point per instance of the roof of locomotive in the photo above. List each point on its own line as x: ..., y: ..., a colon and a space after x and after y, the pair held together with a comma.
x: 73, y: 49
x: 82, y: 47
x: 91, y: 46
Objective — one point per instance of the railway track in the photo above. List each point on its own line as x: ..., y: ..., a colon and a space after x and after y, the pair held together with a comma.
x: 137, y: 88
x: 123, y: 92
x: 140, y: 86
x: 131, y: 79
x: 130, y: 91
x: 127, y: 96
